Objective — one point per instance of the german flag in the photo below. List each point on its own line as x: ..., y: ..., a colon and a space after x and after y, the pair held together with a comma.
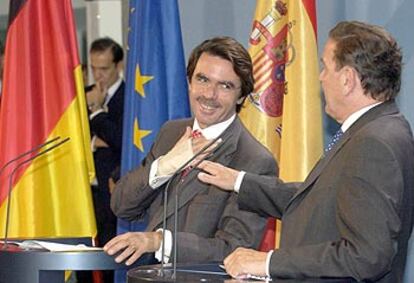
x: 43, y: 99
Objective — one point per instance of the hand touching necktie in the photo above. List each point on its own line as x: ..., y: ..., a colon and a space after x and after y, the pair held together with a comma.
x: 184, y: 149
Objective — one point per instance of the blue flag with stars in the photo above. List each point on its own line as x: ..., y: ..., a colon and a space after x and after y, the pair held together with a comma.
x: 156, y: 85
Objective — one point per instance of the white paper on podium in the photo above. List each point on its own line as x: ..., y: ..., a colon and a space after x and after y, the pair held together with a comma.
x: 52, y: 246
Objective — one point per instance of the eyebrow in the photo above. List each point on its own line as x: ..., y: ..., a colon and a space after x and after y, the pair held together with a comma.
x: 229, y: 83
x: 201, y: 75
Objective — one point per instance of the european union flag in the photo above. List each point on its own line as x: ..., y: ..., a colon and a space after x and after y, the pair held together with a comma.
x: 156, y: 85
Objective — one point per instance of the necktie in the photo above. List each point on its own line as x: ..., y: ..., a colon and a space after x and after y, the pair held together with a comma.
x: 196, y: 134
x: 186, y: 170
x: 334, y: 140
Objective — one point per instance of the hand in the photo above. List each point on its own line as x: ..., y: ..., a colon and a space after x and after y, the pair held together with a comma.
x: 245, y: 261
x: 218, y: 175
x: 183, y: 151
x: 96, y: 97
x: 111, y: 185
x: 100, y: 143
x: 133, y: 245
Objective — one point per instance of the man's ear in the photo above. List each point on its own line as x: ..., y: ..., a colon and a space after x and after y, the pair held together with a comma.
x: 120, y: 66
x: 240, y: 100
x: 349, y: 79
x: 189, y: 85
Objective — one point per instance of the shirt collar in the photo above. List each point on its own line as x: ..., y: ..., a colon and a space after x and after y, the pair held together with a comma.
x: 215, y: 130
x: 355, y: 116
x: 111, y: 90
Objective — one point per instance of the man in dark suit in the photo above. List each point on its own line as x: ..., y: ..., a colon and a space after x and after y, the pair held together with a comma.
x: 106, y: 105
x: 210, y: 224
x: 353, y: 215
x: 105, y: 101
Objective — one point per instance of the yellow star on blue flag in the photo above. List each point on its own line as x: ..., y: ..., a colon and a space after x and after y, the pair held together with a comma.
x: 140, y: 81
x: 139, y: 135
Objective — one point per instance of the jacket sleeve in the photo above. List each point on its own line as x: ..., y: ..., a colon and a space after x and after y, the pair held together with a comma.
x: 265, y: 195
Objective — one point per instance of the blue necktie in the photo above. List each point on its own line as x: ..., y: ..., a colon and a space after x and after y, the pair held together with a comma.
x: 334, y: 140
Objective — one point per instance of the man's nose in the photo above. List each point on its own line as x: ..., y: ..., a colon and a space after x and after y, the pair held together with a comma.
x: 97, y: 75
x: 211, y: 91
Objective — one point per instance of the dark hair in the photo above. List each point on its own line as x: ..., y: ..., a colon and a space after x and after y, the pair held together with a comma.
x: 229, y: 49
x: 373, y: 53
x: 105, y: 43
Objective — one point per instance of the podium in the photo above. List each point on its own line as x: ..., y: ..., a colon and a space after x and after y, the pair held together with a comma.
x: 38, y: 266
x: 211, y: 272
x: 185, y: 273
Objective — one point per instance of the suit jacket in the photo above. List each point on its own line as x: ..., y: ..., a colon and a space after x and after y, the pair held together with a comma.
x: 210, y: 224
x: 108, y: 127
x: 353, y: 215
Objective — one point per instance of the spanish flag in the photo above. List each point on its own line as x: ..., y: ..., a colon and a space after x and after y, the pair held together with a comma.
x: 284, y: 111
x: 43, y: 99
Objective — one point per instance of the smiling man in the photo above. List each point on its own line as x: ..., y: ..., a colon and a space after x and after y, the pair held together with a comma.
x: 210, y: 224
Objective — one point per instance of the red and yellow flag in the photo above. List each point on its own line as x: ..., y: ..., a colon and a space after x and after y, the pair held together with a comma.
x: 284, y: 111
x: 43, y: 98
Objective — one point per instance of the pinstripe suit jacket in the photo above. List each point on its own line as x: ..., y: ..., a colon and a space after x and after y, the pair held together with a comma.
x: 210, y: 224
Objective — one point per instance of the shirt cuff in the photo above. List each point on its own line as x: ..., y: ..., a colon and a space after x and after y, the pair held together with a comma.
x: 167, y: 237
x: 95, y: 113
x: 154, y: 180
x: 268, y: 257
x: 239, y: 180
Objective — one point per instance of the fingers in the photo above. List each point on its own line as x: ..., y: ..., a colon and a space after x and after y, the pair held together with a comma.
x: 100, y: 143
x: 130, y: 254
x: 116, y: 244
x: 231, y: 263
x: 246, y: 261
x: 210, y: 167
x: 101, y: 87
x: 129, y: 244
x: 218, y: 175
x: 187, y: 134
x: 96, y: 97
x: 206, y: 178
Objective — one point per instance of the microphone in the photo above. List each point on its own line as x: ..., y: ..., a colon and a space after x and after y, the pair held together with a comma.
x: 164, y: 221
x: 27, y: 153
x: 16, y: 168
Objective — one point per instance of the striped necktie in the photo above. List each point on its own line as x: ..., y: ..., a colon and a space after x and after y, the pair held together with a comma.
x: 186, y: 170
x: 334, y: 140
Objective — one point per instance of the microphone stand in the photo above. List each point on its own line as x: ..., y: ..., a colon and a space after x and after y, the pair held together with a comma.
x: 18, y: 166
x: 164, y: 219
x: 176, y: 212
x: 27, y: 153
